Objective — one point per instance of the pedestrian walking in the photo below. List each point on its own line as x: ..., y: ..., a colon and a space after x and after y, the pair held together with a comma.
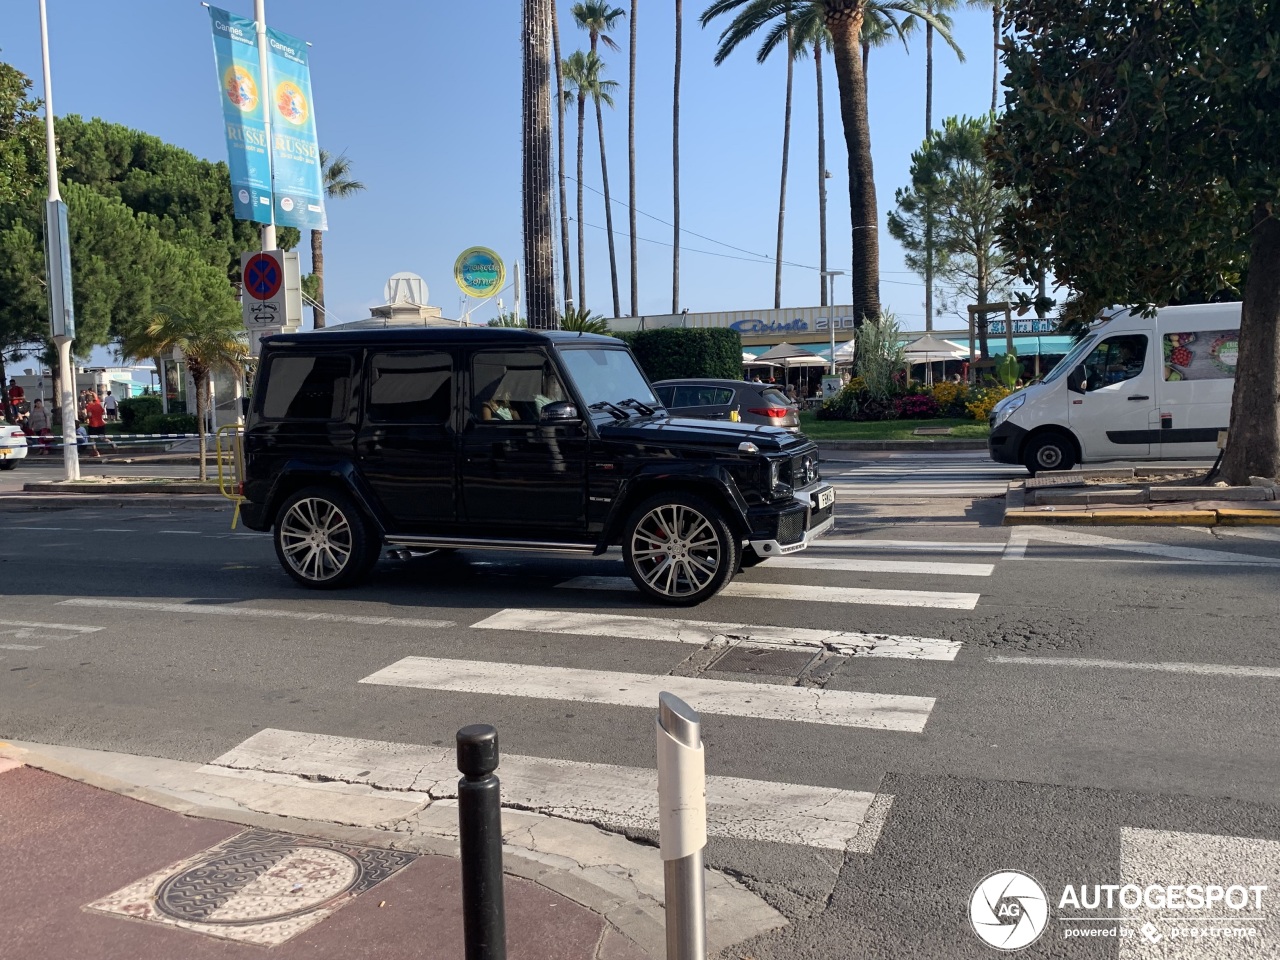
x: 96, y: 416
x: 16, y: 397
x: 40, y: 426
x: 111, y: 406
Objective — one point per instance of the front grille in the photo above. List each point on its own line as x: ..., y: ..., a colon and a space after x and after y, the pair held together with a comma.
x: 791, y: 527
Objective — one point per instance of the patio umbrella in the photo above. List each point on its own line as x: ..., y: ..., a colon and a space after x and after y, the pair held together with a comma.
x: 929, y: 348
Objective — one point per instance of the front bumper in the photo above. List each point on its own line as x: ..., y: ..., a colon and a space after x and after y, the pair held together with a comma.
x: 809, y: 515
x: 1004, y: 443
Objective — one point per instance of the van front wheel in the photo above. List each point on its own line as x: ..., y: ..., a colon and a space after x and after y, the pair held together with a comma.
x: 1049, y: 451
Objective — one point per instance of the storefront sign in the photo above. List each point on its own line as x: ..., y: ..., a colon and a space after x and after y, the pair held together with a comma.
x: 1024, y: 326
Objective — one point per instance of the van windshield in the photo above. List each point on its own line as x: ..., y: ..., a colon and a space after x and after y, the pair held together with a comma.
x: 1072, y: 359
x: 606, y: 374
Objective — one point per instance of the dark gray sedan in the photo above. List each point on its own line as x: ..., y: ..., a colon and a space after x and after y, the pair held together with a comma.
x: 759, y: 403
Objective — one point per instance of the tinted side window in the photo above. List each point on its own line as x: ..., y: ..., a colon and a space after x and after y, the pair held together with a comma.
x: 774, y: 397
x: 511, y: 385
x: 701, y: 396
x: 666, y: 395
x: 411, y: 388
x: 1115, y: 360
x: 307, y: 388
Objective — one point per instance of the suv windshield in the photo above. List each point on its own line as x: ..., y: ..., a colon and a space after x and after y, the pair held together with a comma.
x: 606, y: 374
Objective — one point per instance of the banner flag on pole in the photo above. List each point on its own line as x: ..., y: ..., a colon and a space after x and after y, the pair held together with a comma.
x: 235, y: 53
x: 295, y: 153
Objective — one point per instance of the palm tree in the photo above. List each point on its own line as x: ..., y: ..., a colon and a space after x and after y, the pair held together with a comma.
x: 675, y: 164
x: 209, y: 340
x: 539, y: 248
x: 564, y: 205
x: 631, y: 167
x: 338, y: 184
x: 743, y: 26
x: 597, y: 19
x: 997, y: 18
x: 582, y: 320
x: 581, y: 74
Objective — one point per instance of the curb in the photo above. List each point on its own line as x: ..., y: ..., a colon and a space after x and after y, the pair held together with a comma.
x: 1198, y: 514
x: 640, y: 919
x: 188, y: 488
x: 72, y: 501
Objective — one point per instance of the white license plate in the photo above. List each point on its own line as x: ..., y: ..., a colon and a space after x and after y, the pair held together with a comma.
x: 824, y: 499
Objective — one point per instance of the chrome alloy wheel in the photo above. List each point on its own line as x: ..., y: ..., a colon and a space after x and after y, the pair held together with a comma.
x: 316, y: 539
x: 676, y: 550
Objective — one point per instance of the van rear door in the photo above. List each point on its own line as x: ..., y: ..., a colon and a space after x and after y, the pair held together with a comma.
x: 1197, y: 378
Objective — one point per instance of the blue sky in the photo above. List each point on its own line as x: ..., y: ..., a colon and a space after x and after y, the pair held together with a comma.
x: 425, y: 98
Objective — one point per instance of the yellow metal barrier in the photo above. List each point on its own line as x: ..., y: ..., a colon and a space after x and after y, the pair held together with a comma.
x: 231, y: 466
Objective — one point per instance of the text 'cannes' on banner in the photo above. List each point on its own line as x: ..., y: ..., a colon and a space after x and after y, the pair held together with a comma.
x: 240, y: 93
x: 295, y: 152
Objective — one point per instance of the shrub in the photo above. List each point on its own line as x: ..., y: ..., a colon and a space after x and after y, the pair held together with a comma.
x: 1008, y: 370
x: 916, y: 406
x: 951, y: 398
x: 843, y: 406
x: 881, y: 363
x: 167, y: 423
x: 671, y: 353
x: 982, y: 400
x: 134, y: 409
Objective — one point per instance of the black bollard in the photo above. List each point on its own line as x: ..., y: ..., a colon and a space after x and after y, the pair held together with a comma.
x: 480, y: 832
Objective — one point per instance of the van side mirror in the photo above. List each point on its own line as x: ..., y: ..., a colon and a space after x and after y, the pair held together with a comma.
x: 1077, y: 379
x: 561, y: 411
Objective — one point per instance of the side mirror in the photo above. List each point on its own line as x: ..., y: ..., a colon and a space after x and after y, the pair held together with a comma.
x: 561, y: 411
x: 1077, y: 379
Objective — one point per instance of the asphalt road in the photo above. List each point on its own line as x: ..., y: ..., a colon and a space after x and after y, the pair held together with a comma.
x: 1091, y: 706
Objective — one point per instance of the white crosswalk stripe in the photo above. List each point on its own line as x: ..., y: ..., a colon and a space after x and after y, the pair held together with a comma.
x: 605, y: 794
x: 701, y: 633
x: 848, y: 565
x: 806, y: 593
x: 924, y: 475
x: 731, y: 698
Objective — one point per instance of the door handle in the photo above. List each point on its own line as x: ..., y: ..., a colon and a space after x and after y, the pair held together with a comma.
x: 1140, y: 396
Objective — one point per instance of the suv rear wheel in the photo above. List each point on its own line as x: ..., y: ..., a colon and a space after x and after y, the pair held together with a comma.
x: 322, y: 540
x: 678, y: 549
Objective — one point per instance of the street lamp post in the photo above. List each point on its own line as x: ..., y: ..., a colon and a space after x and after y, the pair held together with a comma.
x: 830, y: 277
x: 57, y: 256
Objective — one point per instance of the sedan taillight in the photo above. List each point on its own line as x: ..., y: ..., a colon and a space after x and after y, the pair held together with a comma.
x: 769, y: 411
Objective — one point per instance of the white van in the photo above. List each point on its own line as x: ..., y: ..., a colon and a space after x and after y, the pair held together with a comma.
x: 1135, y: 388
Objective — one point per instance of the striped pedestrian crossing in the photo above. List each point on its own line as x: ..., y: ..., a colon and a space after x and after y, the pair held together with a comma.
x: 928, y: 475
x: 616, y: 797
x: 732, y: 698
x: 702, y: 633
x: 804, y: 592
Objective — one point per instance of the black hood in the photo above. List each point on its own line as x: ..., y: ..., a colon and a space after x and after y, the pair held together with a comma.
x: 692, y: 432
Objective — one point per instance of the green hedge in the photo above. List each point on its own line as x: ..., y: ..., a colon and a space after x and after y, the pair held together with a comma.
x: 135, y: 409
x: 167, y: 423
x: 678, y: 352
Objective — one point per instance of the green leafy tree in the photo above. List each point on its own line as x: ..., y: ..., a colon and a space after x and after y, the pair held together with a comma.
x: 338, y: 185
x: 1139, y: 138
x: 949, y: 217
x: 507, y: 320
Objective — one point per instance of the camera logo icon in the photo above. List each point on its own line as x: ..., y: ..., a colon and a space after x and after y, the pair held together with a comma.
x: 1009, y: 910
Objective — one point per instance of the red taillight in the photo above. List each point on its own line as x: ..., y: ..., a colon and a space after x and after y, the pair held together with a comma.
x: 769, y: 411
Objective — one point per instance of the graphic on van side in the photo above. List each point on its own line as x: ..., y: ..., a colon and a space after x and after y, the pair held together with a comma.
x: 1203, y: 355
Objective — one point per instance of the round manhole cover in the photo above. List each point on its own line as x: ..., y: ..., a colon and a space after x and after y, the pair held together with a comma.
x: 257, y: 886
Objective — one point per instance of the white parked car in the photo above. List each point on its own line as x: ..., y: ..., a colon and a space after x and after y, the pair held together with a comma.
x: 13, y: 446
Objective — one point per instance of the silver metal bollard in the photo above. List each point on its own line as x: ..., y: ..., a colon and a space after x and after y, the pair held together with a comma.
x: 682, y: 824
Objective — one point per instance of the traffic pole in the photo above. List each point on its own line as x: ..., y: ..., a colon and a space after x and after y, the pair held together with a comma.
x: 682, y: 826
x: 260, y: 18
x: 480, y: 837
x: 58, y: 269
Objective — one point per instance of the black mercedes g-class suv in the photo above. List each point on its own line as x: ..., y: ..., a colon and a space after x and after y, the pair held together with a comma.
x: 436, y: 439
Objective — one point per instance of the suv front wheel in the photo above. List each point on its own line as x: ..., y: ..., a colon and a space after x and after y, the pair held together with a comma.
x: 322, y: 539
x: 678, y: 549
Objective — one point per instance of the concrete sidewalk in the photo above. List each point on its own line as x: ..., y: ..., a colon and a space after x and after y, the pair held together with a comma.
x: 174, y: 862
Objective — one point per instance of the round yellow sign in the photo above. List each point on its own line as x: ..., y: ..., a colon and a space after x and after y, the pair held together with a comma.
x: 479, y: 272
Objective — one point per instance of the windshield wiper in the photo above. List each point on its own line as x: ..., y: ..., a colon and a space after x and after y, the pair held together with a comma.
x: 616, y: 411
x: 644, y: 408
